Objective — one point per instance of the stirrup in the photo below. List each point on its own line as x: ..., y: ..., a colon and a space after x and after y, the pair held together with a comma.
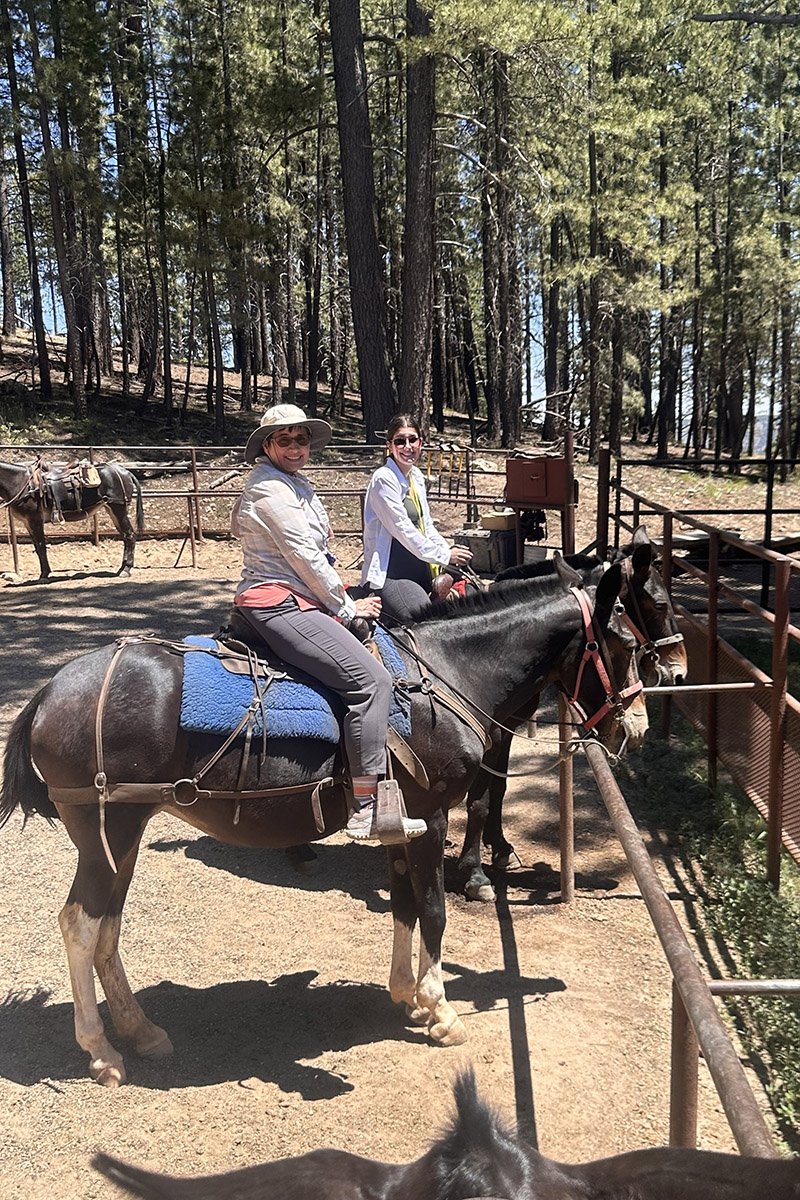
x: 385, y: 820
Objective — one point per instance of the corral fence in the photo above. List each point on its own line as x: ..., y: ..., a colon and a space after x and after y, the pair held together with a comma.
x: 751, y: 725
x: 189, y: 491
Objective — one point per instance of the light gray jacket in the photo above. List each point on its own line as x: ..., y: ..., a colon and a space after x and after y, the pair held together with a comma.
x: 285, y: 532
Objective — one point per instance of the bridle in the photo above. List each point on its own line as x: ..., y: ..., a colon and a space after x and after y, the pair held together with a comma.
x: 648, y: 647
x: 615, y: 700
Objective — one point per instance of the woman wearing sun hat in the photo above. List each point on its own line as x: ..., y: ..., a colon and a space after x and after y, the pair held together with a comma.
x: 290, y: 594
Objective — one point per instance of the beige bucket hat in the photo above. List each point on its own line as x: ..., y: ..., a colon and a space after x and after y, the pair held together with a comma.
x: 283, y: 416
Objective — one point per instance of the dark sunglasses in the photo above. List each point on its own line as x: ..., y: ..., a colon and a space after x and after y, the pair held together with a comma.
x: 412, y: 440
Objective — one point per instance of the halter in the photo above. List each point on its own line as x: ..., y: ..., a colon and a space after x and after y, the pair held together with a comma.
x: 615, y: 700
x: 648, y: 647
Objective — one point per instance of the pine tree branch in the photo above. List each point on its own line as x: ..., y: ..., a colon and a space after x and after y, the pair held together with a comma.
x: 750, y: 18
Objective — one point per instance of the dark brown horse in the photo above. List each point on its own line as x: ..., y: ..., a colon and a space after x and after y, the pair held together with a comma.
x: 661, y: 659
x: 495, y: 650
x: 32, y: 494
x: 479, y: 1156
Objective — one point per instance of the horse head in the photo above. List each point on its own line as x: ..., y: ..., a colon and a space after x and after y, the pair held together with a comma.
x: 651, y: 617
x: 601, y: 677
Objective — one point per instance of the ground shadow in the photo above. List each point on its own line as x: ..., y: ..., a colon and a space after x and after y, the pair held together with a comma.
x: 361, y: 871
x: 80, y: 618
x: 239, y: 1030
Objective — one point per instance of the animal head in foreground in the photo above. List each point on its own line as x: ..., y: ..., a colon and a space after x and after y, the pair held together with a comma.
x: 478, y: 1155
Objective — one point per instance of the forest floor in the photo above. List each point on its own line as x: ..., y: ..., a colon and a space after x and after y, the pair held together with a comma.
x: 272, y: 986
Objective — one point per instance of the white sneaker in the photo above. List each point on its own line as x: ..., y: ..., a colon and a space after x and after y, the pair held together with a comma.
x: 362, y: 826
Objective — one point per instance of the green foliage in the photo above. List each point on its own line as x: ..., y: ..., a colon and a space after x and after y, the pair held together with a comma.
x: 763, y: 930
x: 759, y: 651
x: 722, y: 840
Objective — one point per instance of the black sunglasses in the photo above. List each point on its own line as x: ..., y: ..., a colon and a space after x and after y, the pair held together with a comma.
x: 412, y: 440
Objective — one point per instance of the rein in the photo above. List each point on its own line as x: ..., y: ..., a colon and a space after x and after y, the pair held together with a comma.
x: 592, y: 653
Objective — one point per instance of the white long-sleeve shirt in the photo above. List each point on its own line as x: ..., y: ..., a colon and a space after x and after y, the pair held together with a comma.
x: 284, y: 530
x: 385, y: 518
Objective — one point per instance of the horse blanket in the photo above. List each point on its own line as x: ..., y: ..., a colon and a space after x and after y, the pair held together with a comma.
x: 215, y: 701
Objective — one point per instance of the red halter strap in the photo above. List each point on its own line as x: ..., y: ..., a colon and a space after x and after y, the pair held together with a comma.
x: 648, y: 646
x: 591, y: 653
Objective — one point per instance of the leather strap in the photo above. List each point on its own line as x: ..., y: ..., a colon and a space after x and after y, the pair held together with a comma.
x: 183, y: 793
x: 401, y: 750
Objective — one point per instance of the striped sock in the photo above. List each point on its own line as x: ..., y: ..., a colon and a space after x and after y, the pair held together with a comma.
x: 365, y: 788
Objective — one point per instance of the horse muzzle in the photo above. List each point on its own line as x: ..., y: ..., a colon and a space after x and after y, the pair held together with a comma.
x: 635, y: 723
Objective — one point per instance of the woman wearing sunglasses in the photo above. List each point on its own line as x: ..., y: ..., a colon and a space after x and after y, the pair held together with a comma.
x: 290, y: 593
x: 404, y: 552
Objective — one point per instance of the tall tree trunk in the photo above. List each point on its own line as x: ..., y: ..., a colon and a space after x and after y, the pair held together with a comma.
x: 7, y: 259
x: 367, y: 297
x: 551, y: 311
x: 418, y: 240
x: 593, y: 314
x: 489, y: 252
x: 39, y: 334
x: 63, y: 255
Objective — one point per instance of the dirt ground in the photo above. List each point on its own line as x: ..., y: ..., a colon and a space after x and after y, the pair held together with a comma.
x: 273, y: 987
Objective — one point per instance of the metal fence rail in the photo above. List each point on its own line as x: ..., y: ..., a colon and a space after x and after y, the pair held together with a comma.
x: 758, y: 738
x: 452, y: 476
x: 696, y: 1006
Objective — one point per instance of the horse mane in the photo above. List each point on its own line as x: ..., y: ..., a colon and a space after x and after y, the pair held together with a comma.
x: 508, y: 594
x: 478, y: 1154
x: 546, y: 567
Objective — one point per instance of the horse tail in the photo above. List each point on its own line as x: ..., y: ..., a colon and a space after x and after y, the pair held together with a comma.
x: 21, y: 785
x: 139, y: 506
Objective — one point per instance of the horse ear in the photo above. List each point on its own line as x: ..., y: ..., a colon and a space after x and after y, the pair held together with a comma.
x: 605, y: 597
x: 640, y: 537
x: 642, y: 557
x: 568, y: 575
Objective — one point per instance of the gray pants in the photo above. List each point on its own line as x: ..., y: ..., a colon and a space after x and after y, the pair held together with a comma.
x: 317, y: 644
x: 403, y: 600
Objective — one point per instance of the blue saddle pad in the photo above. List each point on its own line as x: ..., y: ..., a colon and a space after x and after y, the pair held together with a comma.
x: 214, y: 700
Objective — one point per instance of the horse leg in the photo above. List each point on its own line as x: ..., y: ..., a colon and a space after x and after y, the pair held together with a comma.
x: 484, y: 822
x: 119, y: 515
x: 402, y: 984
x: 130, y: 1022
x: 493, y: 837
x: 418, y: 894
x: 36, y: 530
x: 81, y: 921
x: 478, y: 886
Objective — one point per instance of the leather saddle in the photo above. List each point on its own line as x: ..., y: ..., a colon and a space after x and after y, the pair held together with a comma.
x: 61, y: 486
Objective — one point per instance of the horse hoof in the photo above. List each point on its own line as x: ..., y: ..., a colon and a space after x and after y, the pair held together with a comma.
x: 109, y: 1076
x: 501, y: 859
x: 454, y: 1034
x: 160, y: 1048
x: 480, y: 891
x: 303, y: 860
x: 417, y: 1016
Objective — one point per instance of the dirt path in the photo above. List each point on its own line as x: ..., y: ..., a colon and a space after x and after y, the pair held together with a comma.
x: 273, y: 988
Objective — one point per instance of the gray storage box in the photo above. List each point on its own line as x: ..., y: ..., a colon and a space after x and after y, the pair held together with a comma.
x: 492, y: 549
